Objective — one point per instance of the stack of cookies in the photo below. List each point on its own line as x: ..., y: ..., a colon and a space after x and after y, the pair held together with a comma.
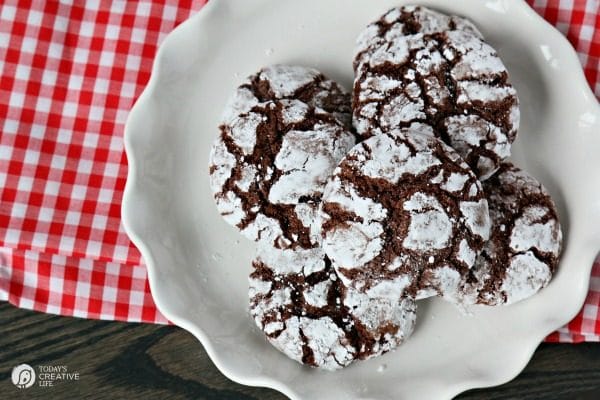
x: 362, y: 204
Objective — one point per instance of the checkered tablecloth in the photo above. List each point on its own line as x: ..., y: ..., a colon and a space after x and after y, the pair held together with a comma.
x: 69, y: 74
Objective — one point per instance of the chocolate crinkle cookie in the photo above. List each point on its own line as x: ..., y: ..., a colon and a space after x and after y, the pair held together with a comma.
x: 403, y: 21
x: 292, y: 82
x: 524, y: 249
x: 403, y: 215
x: 309, y: 315
x: 450, y: 84
x: 268, y: 168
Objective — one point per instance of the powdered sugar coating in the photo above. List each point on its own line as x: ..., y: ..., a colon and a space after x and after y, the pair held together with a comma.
x: 452, y: 82
x: 525, y: 245
x: 446, y: 281
x: 404, y: 206
x: 268, y: 168
x: 530, y: 232
x: 293, y: 82
x: 430, y: 227
x: 388, y: 320
x: 309, y: 315
x: 403, y: 21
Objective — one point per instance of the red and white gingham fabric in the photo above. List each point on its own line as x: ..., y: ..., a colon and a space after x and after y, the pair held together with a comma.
x: 69, y: 74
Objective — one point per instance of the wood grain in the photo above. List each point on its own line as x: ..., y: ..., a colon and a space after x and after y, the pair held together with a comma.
x: 136, y: 361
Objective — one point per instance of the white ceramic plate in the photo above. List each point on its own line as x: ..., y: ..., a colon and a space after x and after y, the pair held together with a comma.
x: 198, y: 265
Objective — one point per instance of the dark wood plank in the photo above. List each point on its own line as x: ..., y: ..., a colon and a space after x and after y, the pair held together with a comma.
x: 137, y: 361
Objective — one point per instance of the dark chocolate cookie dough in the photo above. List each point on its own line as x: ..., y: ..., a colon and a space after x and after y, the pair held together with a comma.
x: 404, y: 215
x: 307, y: 313
x: 268, y: 168
x: 524, y: 249
x: 292, y: 82
x: 403, y: 21
x: 452, y: 85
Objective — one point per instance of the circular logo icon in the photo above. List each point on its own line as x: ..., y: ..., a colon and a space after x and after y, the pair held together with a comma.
x: 23, y: 376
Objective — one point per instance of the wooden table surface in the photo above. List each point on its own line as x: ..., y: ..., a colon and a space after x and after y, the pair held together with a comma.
x: 135, y: 361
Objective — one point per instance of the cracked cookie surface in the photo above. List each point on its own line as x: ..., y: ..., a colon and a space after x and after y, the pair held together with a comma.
x: 292, y: 82
x: 524, y: 249
x: 452, y: 85
x: 307, y: 313
x: 403, y: 21
x: 404, y: 215
x: 268, y: 168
